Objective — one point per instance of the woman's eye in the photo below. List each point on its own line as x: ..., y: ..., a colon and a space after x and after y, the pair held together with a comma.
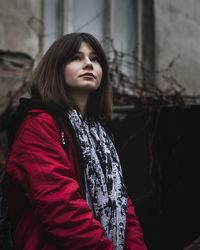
x: 76, y: 58
x: 95, y: 59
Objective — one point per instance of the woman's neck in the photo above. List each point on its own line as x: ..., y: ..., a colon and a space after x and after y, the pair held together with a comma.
x: 81, y: 101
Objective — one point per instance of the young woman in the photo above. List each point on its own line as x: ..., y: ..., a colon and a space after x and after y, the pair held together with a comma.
x: 65, y: 184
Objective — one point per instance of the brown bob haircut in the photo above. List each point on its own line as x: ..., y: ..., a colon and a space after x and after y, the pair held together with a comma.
x: 47, y: 80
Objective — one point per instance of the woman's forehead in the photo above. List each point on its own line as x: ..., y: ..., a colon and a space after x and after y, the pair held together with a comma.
x: 86, y: 47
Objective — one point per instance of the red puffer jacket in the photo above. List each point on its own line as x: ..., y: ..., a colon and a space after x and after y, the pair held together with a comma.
x: 53, y: 215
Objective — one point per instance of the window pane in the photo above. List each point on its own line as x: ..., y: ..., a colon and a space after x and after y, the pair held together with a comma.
x: 50, y: 17
x: 124, y: 32
x: 88, y: 17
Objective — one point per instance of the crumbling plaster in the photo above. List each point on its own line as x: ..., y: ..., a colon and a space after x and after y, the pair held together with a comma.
x: 20, y: 26
x: 20, y: 31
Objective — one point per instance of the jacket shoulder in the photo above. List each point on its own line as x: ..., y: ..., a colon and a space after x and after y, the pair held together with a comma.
x: 40, y: 116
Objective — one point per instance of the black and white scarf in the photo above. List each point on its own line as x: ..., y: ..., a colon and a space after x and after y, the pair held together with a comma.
x: 105, y: 190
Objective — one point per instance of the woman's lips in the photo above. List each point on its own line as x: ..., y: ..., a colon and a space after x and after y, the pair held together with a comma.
x: 89, y: 75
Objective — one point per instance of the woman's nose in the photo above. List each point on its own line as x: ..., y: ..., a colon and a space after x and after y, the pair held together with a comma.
x: 88, y: 63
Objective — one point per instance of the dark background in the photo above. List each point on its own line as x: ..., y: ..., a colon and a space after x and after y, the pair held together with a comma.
x: 160, y: 155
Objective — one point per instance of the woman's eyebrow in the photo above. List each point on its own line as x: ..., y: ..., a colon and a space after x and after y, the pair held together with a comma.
x: 82, y: 53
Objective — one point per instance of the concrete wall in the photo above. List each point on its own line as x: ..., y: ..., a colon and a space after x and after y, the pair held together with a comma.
x: 177, y: 29
x: 20, y: 26
x: 20, y: 29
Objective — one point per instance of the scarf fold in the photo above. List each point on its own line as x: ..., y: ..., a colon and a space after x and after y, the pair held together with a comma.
x: 105, y: 190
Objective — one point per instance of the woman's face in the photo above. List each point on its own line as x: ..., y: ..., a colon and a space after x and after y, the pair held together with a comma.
x: 83, y: 72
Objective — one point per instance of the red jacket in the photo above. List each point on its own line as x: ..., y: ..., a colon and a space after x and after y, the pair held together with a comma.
x: 53, y: 215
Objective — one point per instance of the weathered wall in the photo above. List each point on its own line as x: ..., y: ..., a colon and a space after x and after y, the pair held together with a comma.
x: 20, y: 29
x: 20, y: 24
x: 177, y: 29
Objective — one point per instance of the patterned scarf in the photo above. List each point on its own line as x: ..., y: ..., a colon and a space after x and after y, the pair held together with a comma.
x: 105, y: 190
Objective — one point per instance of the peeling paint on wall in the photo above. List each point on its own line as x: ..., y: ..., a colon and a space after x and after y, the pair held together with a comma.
x: 15, y: 68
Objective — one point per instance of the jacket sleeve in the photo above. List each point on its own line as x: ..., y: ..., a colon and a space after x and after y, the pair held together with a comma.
x: 39, y: 163
x: 134, y: 239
